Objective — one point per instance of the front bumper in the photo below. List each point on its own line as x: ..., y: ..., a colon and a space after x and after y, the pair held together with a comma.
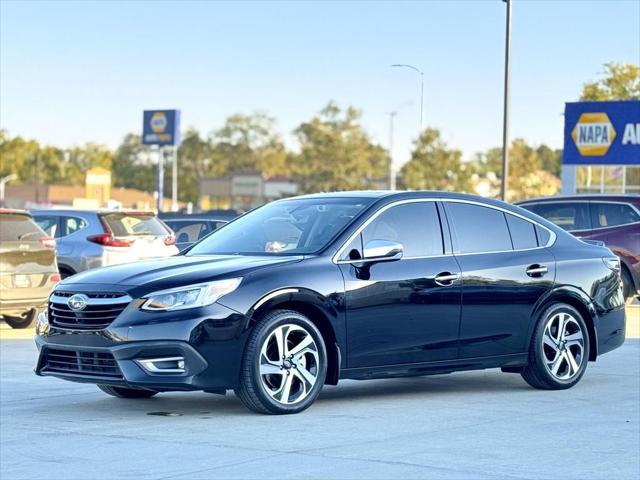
x: 209, y: 340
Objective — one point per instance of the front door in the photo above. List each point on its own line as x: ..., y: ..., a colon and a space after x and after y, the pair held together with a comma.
x: 407, y: 310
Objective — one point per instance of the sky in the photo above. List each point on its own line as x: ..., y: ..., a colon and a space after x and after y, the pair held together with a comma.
x: 79, y: 71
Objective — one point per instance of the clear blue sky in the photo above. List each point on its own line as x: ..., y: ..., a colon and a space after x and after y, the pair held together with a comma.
x: 76, y: 71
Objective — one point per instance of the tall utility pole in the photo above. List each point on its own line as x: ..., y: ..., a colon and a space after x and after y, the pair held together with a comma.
x: 174, y: 180
x: 392, y: 170
x: 505, y: 123
x: 160, y: 186
x: 421, y: 88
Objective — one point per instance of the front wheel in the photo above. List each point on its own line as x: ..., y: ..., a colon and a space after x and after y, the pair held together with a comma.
x: 559, y: 349
x: 284, y: 364
x: 123, y: 392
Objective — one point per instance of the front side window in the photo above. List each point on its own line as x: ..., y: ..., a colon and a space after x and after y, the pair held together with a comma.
x: 415, y: 225
x: 567, y: 215
x: 286, y: 227
x: 49, y: 224
x: 612, y: 214
x: 478, y: 229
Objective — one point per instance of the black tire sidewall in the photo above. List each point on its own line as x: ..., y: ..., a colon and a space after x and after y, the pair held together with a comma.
x: 538, y: 354
x: 263, y: 330
x: 22, y: 322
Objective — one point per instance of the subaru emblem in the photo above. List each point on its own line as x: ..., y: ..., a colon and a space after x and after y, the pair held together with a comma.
x: 77, y: 302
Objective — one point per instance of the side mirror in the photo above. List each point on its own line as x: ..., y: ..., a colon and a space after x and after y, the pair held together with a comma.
x: 382, y: 251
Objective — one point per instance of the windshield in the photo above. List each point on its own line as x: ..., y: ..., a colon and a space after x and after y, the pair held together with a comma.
x: 286, y: 227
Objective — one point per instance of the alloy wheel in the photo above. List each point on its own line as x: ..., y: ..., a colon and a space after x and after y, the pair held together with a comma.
x: 563, y: 346
x: 289, y: 364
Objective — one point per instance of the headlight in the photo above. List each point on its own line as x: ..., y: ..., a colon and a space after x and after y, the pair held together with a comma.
x: 191, y: 296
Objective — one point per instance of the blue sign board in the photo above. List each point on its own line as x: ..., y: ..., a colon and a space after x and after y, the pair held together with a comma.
x: 602, y: 133
x: 161, y: 127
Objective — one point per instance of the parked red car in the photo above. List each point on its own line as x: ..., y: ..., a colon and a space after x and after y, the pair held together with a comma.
x: 612, y: 219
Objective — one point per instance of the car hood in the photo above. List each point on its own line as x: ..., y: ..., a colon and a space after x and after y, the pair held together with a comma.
x: 159, y: 274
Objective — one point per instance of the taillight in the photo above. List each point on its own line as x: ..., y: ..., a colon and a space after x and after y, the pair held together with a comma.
x: 48, y: 242
x: 55, y: 278
x: 108, y: 240
x: 170, y: 240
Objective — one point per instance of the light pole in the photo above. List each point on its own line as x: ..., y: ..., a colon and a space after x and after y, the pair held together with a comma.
x: 392, y: 171
x: 421, y: 87
x: 505, y: 118
x: 3, y: 182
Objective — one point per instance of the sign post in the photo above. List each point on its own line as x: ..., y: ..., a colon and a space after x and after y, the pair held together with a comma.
x: 162, y: 128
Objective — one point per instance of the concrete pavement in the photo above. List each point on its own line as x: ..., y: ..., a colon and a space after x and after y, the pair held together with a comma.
x: 479, y: 425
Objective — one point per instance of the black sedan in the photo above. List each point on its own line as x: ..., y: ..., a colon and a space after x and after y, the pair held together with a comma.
x: 305, y: 291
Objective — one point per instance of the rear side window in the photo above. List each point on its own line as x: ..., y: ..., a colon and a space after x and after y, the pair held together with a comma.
x: 19, y: 228
x: 523, y: 233
x: 72, y: 225
x: 127, y: 224
x: 567, y: 215
x: 478, y: 229
x: 189, y: 231
x: 415, y: 225
x: 612, y: 214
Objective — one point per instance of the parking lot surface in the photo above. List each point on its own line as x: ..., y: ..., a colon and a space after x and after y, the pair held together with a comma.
x: 466, y: 425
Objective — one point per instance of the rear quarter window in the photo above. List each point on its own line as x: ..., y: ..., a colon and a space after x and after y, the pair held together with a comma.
x: 523, y: 232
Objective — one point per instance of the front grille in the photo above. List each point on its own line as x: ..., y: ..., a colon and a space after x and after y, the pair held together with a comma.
x: 95, y: 364
x: 95, y: 316
x: 93, y: 295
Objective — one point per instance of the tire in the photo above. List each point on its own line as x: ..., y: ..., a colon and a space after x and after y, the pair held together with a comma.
x: 26, y: 320
x: 627, y: 284
x: 272, y: 384
x: 122, y: 392
x: 66, y: 273
x: 560, y: 343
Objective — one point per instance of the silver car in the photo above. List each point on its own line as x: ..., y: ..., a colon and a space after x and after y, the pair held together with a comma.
x: 89, y: 239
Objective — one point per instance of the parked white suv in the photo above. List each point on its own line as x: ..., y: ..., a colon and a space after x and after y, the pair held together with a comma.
x: 89, y: 239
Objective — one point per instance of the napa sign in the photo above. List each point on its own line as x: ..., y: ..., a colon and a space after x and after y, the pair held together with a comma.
x: 161, y: 127
x: 602, y: 133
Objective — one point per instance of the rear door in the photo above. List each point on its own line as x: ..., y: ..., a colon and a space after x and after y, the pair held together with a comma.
x: 27, y: 258
x: 505, y: 271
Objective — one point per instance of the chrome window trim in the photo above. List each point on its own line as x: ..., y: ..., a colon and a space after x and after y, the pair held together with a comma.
x: 550, y: 242
x: 567, y: 200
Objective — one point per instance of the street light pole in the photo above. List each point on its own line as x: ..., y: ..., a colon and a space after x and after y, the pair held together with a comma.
x: 421, y: 87
x: 3, y: 182
x: 505, y: 118
x: 392, y: 170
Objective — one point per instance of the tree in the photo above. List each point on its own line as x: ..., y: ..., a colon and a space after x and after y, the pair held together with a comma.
x: 81, y: 159
x: 133, y: 165
x: 195, y: 162
x: 336, y: 153
x: 621, y: 82
x: 31, y: 162
x: 248, y: 144
x: 435, y: 166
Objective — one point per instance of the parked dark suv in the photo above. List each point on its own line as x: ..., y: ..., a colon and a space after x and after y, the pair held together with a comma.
x: 305, y: 291
x: 612, y: 219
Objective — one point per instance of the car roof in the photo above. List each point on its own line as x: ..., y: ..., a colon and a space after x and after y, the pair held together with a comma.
x: 71, y: 211
x: 627, y: 197
x: 14, y: 211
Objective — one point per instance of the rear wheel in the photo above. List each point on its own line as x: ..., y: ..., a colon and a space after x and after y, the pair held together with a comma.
x: 122, y: 392
x: 284, y: 364
x: 559, y: 350
x: 25, y: 320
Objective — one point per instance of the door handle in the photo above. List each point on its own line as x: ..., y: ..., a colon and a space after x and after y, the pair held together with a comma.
x: 446, y: 278
x: 536, y: 270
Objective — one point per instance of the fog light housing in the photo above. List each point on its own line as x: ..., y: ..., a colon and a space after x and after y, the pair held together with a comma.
x: 162, y: 365
x: 42, y: 324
